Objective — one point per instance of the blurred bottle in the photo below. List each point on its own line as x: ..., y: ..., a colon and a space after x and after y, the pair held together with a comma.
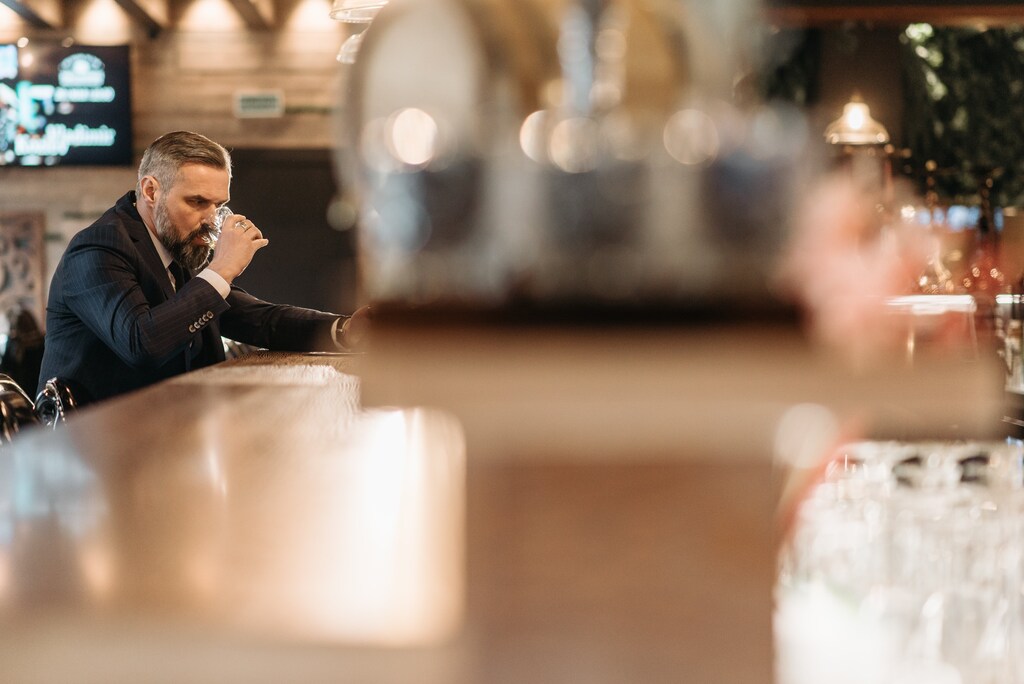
x: 585, y: 155
x: 984, y: 278
x: 937, y: 278
x: 1012, y: 355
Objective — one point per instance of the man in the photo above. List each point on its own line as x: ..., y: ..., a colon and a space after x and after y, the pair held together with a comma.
x: 125, y: 310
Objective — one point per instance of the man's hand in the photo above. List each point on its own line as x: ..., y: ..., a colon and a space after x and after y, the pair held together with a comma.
x: 238, y: 242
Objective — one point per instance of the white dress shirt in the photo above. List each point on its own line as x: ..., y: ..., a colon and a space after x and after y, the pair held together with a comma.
x: 212, y: 277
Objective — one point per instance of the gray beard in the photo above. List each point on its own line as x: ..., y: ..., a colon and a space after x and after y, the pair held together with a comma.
x: 187, y: 254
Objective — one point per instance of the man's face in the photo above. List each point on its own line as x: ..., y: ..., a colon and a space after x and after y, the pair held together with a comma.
x: 183, y: 213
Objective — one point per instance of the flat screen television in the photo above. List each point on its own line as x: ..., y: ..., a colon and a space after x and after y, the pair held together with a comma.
x: 65, y: 105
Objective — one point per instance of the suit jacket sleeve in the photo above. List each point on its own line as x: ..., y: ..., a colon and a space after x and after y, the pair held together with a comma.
x: 106, y: 283
x: 275, y: 326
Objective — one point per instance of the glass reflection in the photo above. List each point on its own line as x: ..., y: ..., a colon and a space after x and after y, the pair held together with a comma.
x: 413, y: 138
x: 409, y: 139
x: 691, y: 137
x: 573, y: 146
x: 49, y: 503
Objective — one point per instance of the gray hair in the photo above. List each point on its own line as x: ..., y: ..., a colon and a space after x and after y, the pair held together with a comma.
x: 167, y: 154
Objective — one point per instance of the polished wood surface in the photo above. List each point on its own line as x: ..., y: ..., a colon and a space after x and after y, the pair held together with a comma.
x: 214, y: 515
x: 447, y: 508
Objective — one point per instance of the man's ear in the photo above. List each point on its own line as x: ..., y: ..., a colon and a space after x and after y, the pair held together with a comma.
x: 149, y: 187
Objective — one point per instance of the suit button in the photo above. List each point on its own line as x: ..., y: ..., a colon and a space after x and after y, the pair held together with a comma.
x: 192, y: 328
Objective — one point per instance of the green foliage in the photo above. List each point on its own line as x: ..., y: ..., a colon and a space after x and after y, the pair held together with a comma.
x: 790, y: 64
x: 964, y: 108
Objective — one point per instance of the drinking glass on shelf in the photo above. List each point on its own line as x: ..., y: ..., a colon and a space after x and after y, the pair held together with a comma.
x: 354, y: 12
x: 350, y: 48
x: 936, y: 277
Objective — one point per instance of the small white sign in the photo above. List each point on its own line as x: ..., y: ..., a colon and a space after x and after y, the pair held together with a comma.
x: 254, y: 104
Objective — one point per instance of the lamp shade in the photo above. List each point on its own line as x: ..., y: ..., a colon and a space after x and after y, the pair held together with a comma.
x: 856, y: 127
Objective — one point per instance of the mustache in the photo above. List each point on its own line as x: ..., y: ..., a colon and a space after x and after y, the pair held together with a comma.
x: 205, y: 231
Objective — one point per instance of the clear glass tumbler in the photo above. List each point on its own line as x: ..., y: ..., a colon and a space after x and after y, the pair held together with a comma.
x: 217, y: 223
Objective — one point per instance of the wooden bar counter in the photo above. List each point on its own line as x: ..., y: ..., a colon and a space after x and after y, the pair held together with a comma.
x: 415, y: 514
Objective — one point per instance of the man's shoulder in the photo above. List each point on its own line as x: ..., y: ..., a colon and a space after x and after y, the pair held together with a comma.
x: 100, y: 233
x: 110, y: 230
x: 116, y: 226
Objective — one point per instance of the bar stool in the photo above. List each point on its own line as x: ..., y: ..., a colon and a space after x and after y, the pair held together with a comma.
x: 54, y: 402
x: 16, y: 409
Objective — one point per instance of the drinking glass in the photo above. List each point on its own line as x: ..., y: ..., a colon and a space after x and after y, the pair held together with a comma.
x: 356, y: 13
x: 217, y: 223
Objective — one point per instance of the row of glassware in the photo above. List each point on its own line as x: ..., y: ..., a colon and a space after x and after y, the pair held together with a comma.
x: 904, y: 565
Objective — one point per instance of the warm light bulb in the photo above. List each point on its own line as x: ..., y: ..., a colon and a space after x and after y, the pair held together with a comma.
x: 856, y: 114
x: 856, y: 127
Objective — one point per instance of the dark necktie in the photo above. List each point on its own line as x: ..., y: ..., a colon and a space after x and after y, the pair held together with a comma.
x: 178, y: 274
x: 196, y: 345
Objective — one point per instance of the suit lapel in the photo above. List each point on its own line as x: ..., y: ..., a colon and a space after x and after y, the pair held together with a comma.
x: 139, y: 234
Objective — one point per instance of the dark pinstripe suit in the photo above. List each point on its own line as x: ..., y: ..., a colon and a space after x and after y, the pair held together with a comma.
x: 114, y: 323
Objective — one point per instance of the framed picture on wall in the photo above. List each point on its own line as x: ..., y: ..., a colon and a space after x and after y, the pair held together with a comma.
x: 21, y: 262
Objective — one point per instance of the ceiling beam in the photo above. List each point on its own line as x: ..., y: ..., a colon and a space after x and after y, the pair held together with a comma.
x: 150, y: 15
x: 824, y: 13
x: 41, y: 14
x: 257, y: 14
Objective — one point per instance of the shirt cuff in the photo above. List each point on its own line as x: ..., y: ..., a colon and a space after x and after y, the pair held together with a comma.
x: 338, y: 333
x: 219, y: 284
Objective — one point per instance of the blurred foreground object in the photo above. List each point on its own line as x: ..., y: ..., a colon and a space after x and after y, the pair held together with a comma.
x: 904, y: 565
x: 590, y: 153
x: 259, y: 518
x: 844, y: 265
x: 266, y: 527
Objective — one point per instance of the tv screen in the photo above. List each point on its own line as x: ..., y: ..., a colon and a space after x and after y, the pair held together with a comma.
x: 64, y: 106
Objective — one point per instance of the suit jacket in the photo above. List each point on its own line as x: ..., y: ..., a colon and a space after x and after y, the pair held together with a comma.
x: 114, y: 323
